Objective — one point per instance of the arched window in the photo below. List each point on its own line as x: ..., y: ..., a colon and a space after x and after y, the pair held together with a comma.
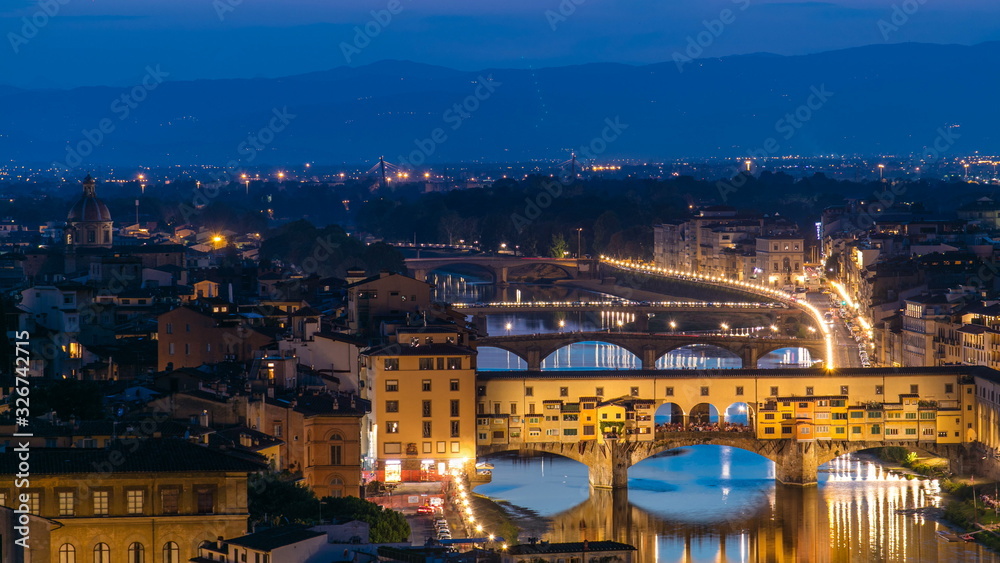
x: 336, y: 487
x: 136, y: 553
x: 91, y: 235
x: 107, y: 236
x: 67, y: 553
x: 171, y: 553
x: 102, y: 553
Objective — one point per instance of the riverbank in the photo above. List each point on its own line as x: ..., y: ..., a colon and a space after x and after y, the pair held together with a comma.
x: 966, y: 506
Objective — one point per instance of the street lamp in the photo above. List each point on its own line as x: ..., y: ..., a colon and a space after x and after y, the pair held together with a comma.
x: 508, y: 326
x: 724, y: 326
x: 562, y: 325
x: 673, y: 326
x: 881, y: 172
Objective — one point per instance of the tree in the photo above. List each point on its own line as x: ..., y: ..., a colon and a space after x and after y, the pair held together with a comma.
x: 559, y: 246
x: 385, y: 525
x: 275, y: 499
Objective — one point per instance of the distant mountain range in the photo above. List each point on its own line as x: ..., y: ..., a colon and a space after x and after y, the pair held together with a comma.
x: 884, y: 99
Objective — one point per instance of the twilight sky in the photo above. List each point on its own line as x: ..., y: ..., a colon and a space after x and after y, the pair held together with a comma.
x: 110, y: 42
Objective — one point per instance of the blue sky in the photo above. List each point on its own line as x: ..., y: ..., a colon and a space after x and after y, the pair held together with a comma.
x: 110, y: 42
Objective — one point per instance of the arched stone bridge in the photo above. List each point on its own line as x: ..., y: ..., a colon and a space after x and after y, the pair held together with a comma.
x: 796, y: 462
x: 500, y: 266
x: 647, y: 347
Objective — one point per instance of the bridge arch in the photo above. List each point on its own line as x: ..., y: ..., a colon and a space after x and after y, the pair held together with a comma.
x: 500, y: 356
x: 737, y: 413
x: 553, y: 360
x: 704, y: 413
x: 514, y: 271
x: 459, y: 269
x: 669, y: 413
x: 785, y: 354
x: 694, y: 356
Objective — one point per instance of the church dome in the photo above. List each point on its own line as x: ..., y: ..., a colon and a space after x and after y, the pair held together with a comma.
x: 89, y: 208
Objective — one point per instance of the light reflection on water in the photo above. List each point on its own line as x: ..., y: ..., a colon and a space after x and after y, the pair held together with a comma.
x: 714, y: 503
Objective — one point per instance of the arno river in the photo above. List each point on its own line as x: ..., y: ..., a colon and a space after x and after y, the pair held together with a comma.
x: 706, y: 503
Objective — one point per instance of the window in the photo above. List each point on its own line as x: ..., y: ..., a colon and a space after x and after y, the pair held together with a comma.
x: 669, y: 392
x: 911, y: 431
x: 891, y: 431
x: 67, y: 503
x: 858, y: 414
x: 455, y: 411
x: 171, y: 500
x: 206, y: 500
x: 390, y: 364
x: 805, y: 429
x: 278, y: 430
x: 392, y: 427
x: 336, y: 454
x: 67, y: 553
x: 876, y: 429
x: 392, y: 385
x: 809, y: 390
x: 786, y: 429
x: 774, y: 391
x: 136, y: 553
x: 878, y: 390
x: 704, y: 391
x: 425, y: 385
x: 915, y: 389
x: 513, y: 409
x: 564, y: 391
x: 171, y: 552
x: 440, y: 363
x: 170, y: 328
x: 855, y: 430
x: 911, y: 415
x: 803, y: 405
x: 480, y: 390
x: 769, y: 416
x: 427, y: 429
x: 428, y: 448
x: 134, y: 500
x: 392, y: 447
x: 949, y: 387
x: 102, y: 553
x: 425, y: 408
x: 634, y: 391
x: 392, y: 406
x: 454, y: 363
x: 455, y: 429
x: 875, y: 414
x: 426, y: 363
x: 843, y: 390
x: 170, y: 348
x: 101, y: 502
x: 529, y: 391
x: 453, y: 384
x: 599, y: 391
x: 769, y: 430
x: 739, y: 389
x: 187, y: 349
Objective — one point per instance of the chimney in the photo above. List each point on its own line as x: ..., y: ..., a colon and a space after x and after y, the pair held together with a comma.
x: 203, y: 419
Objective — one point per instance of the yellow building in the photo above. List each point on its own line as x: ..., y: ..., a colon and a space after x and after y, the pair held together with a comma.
x: 423, y: 392
x: 140, y: 500
x: 932, y: 404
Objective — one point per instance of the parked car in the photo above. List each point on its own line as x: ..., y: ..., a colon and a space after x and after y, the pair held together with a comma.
x: 425, y: 509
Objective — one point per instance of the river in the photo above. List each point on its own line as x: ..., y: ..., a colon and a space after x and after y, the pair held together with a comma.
x: 704, y: 503
x: 717, y: 503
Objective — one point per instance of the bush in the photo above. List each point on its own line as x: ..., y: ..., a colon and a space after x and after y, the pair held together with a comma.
x: 895, y: 454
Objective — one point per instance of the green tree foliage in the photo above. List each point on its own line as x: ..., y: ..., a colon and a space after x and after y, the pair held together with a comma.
x: 385, y: 525
x: 328, y: 251
x: 276, y: 499
x: 559, y: 247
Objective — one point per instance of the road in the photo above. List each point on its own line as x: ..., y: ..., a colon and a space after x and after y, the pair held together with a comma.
x: 845, y: 349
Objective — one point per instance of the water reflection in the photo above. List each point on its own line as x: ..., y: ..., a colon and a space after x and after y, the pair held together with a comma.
x: 713, y: 503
